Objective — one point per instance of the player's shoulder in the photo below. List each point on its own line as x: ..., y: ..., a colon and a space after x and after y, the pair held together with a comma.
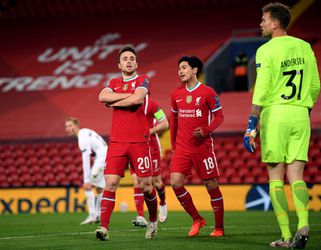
x: 113, y: 82
x: 204, y: 86
x: 207, y: 89
x: 297, y: 39
x: 143, y: 77
x: 264, y: 47
x: 116, y: 80
x: 84, y: 131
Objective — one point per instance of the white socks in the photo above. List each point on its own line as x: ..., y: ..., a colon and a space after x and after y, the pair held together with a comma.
x: 98, y: 202
x: 90, y: 197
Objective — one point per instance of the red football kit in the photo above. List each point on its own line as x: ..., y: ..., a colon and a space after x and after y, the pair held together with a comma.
x: 194, y: 108
x: 154, y: 142
x: 129, y: 134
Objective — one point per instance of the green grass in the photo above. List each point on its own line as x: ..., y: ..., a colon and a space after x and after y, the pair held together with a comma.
x: 244, y: 230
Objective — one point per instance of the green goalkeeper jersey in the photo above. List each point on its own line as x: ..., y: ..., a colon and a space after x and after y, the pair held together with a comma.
x: 287, y: 73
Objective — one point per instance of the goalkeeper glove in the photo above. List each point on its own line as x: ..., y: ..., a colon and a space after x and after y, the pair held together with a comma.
x: 250, y: 134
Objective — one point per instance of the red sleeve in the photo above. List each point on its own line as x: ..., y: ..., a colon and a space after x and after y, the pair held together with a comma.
x: 111, y: 84
x: 153, y: 107
x: 173, y: 129
x: 213, y: 101
x: 173, y: 122
x: 145, y: 83
x: 216, y: 121
x: 214, y: 105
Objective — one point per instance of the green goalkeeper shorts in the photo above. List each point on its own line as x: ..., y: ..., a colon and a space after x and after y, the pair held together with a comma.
x: 285, y: 133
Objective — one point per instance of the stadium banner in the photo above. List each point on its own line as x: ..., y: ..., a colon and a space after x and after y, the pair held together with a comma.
x: 60, y: 200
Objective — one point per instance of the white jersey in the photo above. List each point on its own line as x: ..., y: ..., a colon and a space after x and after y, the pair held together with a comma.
x: 90, y: 142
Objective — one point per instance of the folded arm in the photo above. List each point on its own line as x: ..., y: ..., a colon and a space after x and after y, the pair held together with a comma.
x: 133, y: 99
x: 108, y: 96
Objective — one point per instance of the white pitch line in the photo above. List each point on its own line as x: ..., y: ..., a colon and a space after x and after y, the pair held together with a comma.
x: 117, y: 230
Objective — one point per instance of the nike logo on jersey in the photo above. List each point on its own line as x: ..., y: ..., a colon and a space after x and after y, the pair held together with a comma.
x: 209, y: 172
x: 179, y: 100
x: 144, y: 171
x: 116, y: 88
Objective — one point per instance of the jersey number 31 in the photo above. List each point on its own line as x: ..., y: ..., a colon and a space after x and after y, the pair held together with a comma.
x: 292, y: 74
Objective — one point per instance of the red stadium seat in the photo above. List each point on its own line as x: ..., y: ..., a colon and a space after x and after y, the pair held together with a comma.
x: 43, y: 164
x: 317, y: 179
x: 220, y: 155
x: 53, y: 152
x: 32, y: 161
x: 239, y: 163
x: 244, y: 172
x: 235, y: 179
x: 24, y: 169
x: 233, y: 154
x: 248, y: 179
x: 27, y: 180
x: 223, y: 180
x: 56, y: 160
x: 262, y: 179
x: 4, y: 181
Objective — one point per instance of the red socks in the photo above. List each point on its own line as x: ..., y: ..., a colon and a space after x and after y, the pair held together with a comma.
x: 161, y: 195
x: 151, y: 203
x: 218, y: 206
x: 139, y: 201
x: 186, y: 201
x: 107, y: 207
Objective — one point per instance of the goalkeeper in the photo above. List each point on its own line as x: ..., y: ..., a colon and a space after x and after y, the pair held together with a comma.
x: 286, y: 88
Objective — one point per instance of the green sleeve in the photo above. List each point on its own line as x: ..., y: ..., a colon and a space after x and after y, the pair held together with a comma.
x: 159, y: 115
x: 315, y: 81
x: 263, y: 78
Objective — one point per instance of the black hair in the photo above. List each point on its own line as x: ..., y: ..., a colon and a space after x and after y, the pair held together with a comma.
x: 194, y: 62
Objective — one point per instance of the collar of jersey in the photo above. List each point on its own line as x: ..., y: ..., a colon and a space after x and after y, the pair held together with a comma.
x: 196, y: 86
x: 129, y: 79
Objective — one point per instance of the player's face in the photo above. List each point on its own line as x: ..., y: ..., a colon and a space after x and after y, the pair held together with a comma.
x: 127, y: 63
x: 185, y: 72
x: 70, y: 128
x: 267, y: 25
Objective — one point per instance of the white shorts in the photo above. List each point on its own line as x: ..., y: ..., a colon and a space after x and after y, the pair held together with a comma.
x: 97, y: 173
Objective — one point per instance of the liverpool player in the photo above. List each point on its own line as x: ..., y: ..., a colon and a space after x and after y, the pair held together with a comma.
x: 196, y: 112
x: 128, y: 139
x: 158, y: 123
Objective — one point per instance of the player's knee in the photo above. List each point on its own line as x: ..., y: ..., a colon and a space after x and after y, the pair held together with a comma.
x: 211, y: 184
x: 157, y: 183
x: 112, y: 186
x: 145, y: 184
x: 146, y: 188
x: 177, y: 181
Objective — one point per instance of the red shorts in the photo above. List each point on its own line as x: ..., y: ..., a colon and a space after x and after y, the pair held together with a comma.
x: 156, y: 163
x: 120, y: 154
x: 204, y: 163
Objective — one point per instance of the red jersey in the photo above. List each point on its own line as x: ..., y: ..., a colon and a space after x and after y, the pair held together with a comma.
x: 129, y: 124
x: 193, y: 109
x: 153, y: 107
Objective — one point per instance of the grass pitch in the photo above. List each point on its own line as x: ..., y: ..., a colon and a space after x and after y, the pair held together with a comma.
x: 244, y: 230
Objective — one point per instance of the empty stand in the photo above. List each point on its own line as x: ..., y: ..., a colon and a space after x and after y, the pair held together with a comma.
x: 60, y: 164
